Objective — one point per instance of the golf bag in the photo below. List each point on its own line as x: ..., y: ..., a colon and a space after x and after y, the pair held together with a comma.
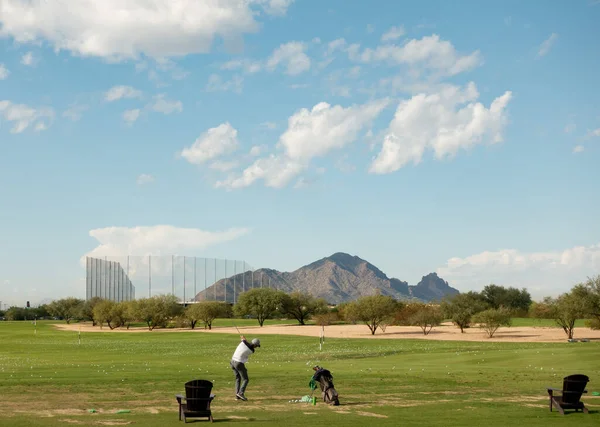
x: 325, y: 380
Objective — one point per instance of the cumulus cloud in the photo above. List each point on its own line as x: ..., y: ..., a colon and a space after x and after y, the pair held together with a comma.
x: 159, y: 241
x: 542, y: 273
x: 74, y: 112
x: 121, y: 92
x: 124, y: 29
x: 547, y: 45
x: 310, y: 133
x: 161, y: 104
x: 444, y: 122
x: 429, y: 53
x: 28, y: 59
x: 393, y: 33
x: 130, y: 116
x: 144, y: 179
x: 213, y: 143
x: 23, y: 116
x: 217, y: 84
x: 292, y: 56
x: 578, y: 149
x: 4, y: 73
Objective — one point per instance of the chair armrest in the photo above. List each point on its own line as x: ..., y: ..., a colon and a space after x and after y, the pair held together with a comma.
x: 179, y: 398
x: 554, y: 389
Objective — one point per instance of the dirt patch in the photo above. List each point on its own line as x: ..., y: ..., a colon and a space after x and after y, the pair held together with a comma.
x: 235, y: 417
x: 114, y: 423
x: 68, y: 421
x: 371, y: 414
x: 309, y: 413
x: 445, y: 332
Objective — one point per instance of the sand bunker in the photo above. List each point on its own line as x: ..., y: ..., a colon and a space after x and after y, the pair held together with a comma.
x: 445, y: 332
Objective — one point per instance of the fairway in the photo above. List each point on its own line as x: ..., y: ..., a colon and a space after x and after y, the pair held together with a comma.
x: 49, y: 379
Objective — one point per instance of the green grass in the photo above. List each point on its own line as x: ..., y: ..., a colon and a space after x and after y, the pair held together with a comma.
x: 48, y: 379
x: 547, y: 323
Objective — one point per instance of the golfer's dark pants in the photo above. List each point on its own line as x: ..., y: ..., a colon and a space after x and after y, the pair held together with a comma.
x: 241, y: 375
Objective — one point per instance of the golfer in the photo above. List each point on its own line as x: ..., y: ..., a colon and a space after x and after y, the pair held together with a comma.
x: 238, y: 360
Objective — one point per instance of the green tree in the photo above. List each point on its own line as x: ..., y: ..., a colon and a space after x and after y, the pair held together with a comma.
x: 158, y: 310
x: 426, y: 317
x: 67, y: 309
x: 206, y: 312
x: 460, y: 308
x: 566, y: 309
x: 261, y: 303
x: 589, y: 291
x: 372, y: 310
x: 16, y: 313
x: 511, y: 298
x: 491, y: 319
x: 107, y: 311
x: 87, y: 309
x: 127, y: 312
x: 542, y: 309
x: 301, y: 306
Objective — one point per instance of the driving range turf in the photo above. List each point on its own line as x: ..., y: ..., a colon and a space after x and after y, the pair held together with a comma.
x: 49, y: 379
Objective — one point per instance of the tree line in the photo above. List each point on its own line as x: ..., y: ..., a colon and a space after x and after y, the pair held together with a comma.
x: 490, y: 309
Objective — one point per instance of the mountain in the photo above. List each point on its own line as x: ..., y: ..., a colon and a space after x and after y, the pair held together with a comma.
x: 337, y: 278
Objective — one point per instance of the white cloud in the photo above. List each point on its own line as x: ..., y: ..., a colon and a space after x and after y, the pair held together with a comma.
x: 4, y: 73
x: 593, y: 133
x: 275, y: 170
x: 256, y: 150
x: 130, y: 116
x: 274, y: 7
x: 28, y: 59
x: 121, y: 92
x: 217, y: 84
x: 75, y: 112
x: 292, y: 56
x: 213, y: 143
x: 162, y: 105
x: 223, y: 166
x: 570, y: 127
x: 335, y: 45
x: 547, y: 45
x: 429, y: 53
x: 144, y: 179
x: 24, y: 116
x: 123, y: 29
x: 315, y: 132
x: 269, y: 125
x: 310, y: 133
x: 158, y: 240
x: 393, y: 33
x: 543, y: 273
x: 578, y: 149
x: 437, y: 122
x: 247, y: 65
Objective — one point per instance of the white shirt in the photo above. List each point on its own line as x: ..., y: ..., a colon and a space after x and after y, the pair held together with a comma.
x: 241, y: 353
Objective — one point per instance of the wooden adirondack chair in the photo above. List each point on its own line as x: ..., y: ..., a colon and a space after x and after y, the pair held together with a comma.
x: 196, y: 403
x: 573, y: 388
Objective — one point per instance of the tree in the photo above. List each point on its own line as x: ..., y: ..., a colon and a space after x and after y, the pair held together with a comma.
x: 66, y: 308
x: 327, y: 318
x: 542, y: 309
x: 426, y: 317
x: 261, y: 303
x: 127, y: 312
x: 566, y: 309
x: 16, y: 313
x: 460, y: 308
x: 157, y: 311
x: 590, y: 293
x: 511, y: 298
x: 207, y: 312
x: 491, y: 319
x: 87, y: 309
x: 301, y: 306
x: 107, y: 311
x: 372, y: 310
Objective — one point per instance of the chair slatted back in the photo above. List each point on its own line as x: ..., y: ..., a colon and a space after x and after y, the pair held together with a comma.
x: 573, y: 387
x: 197, y: 393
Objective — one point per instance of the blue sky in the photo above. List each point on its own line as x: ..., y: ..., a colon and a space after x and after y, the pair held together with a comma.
x: 455, y: 137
